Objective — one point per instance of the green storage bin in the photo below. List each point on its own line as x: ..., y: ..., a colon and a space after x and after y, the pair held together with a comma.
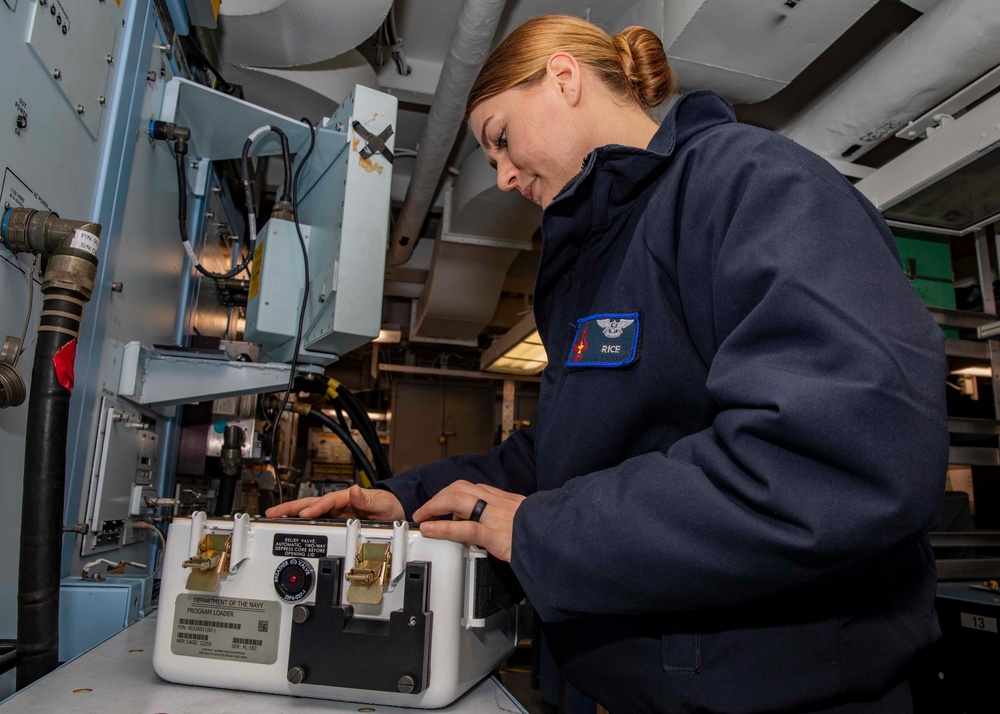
x: 926, y: 260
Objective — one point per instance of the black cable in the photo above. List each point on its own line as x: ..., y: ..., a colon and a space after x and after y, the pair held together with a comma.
x: 362, y: 422
x: 359, y: 456
x: 305, y: 291
x: 340, y: 417
x: 223, y: 86
x: 180, y: 152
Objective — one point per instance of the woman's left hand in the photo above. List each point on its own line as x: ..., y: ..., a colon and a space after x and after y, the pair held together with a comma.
x: 495, y: 528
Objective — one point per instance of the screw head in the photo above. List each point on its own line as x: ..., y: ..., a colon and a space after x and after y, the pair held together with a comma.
x: 151, y: 76
x: 57, y: 73
x: 80, y: 109
x: 22, y: 121
x: 300, y: 613
x: 65, y: 29
x: 406, y: 684
x: 412, y: 621
x: 102, y: 100
x: 117, y: 287
x: 296, y: 675
x: 111, y: 59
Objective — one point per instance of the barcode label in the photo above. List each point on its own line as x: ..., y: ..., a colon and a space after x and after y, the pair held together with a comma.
x: 210, y: 623
x: 231, y: 629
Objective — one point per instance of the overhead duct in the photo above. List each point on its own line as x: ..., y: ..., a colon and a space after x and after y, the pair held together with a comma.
x: 482, y: 231
x: 746, y: 51
x: 289, y: 33
x: 947, y: 48
x: 474, y: 29
x: 314, y: 91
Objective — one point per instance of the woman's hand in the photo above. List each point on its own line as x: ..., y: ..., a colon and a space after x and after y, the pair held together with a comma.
x: 372, y: 504
x: 495, y: 528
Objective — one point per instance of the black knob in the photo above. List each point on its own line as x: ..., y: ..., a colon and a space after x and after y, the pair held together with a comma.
x: 293, y: 579
x: 22, y: 121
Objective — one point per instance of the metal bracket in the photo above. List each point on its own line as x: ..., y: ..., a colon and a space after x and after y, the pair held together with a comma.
x: 374, y: 144
x: 168, y: 377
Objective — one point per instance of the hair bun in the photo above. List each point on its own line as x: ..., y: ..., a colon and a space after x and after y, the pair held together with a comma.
x: 645, y: 65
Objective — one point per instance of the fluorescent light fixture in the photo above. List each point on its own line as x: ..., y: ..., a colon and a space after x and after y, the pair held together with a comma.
x: 519, y: 351
x: 389, y: 335
x: 974, y: 371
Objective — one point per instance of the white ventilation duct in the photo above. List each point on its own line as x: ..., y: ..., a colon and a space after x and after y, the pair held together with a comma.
x: 289, y: 33
x: 470, y: 44
x: 314, y: 91
x: 949, y: 47
x: 482, y: 231
x: 745, y: 50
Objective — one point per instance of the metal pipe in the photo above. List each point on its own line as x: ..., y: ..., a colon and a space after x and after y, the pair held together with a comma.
x: 67, y: 284
x: 474, y: 29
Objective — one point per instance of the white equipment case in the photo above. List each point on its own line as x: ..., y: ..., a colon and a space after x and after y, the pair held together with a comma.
x: 349, y: 610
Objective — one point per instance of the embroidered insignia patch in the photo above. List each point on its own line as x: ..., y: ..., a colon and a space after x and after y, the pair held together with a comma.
x: 605, y: 341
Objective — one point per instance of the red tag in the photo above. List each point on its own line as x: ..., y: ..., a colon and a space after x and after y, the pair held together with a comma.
x: 63, y: 363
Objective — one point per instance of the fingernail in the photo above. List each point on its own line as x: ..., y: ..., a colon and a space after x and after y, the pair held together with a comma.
x: 427, y: 527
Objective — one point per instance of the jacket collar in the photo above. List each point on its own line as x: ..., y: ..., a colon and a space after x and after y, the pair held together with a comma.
x: 613, y: 177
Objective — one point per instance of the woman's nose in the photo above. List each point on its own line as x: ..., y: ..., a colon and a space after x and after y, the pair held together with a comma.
x: 506, y: 175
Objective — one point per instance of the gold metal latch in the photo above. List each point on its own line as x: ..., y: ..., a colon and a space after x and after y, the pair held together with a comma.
x: 211, y: 562
x: 370, y: 574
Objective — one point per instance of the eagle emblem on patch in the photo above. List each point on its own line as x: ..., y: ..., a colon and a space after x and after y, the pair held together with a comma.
x: 613, y: 328
x: 613, y: 341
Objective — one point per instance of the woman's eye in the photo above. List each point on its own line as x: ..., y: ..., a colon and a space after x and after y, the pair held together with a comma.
x: 501, y: 141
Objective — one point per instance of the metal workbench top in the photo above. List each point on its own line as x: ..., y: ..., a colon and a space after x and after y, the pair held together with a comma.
x: 118, y: 676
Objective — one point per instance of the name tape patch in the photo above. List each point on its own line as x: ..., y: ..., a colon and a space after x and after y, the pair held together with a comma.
x: 610, y: 340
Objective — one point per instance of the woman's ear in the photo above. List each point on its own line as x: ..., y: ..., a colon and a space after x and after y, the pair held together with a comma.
x: 564, y: 71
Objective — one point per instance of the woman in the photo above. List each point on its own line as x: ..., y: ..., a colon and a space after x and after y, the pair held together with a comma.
x: 742, y: 437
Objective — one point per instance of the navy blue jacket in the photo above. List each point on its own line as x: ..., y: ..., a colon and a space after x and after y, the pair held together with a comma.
x: 728, y: 496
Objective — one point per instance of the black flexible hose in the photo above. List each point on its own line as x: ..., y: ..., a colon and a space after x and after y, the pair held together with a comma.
x: 360, y: 419
x: 359, y: 456
x: 40, y: 566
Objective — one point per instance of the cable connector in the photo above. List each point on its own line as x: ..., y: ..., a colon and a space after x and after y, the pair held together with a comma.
x: 117, y: 568
x: 168, y: 131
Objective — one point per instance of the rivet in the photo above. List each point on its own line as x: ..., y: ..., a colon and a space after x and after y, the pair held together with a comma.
x: 57, y: 73
x: 110, y: 59
x: 102, y: 100
x: 80, y: 109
